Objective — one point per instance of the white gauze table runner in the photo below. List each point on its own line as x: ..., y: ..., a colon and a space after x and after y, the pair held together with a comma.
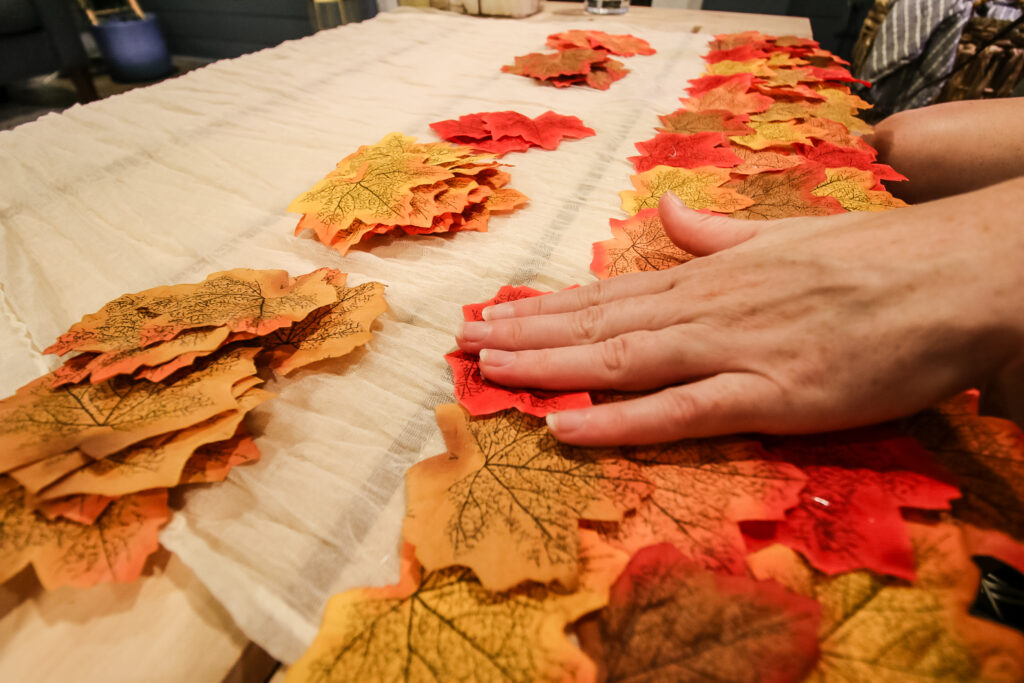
x: 169, y: 183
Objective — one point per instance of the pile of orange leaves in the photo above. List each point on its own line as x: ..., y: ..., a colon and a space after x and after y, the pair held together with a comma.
x: 399, y: 186
x: 844, y: 556
x: 154, y: 398
x: 582, y: 58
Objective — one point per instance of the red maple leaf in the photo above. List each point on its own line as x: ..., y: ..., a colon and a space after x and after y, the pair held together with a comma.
x: 685, y: 151
x: 624, y: 45
x: 833, y: 156
x: 701, y: 85
x: 481, y: 397
x: 545, y: 131
x: 465, y: 128
x: 849, y: 516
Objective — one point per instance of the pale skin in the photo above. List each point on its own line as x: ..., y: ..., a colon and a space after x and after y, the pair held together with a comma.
x: 796, y: 325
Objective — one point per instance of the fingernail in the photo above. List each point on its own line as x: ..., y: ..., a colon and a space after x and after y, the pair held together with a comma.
x: 670, y: 197
x: 569, y: 421
x: 495, y: 358
x: 473, y: 331
x: 497, y: 312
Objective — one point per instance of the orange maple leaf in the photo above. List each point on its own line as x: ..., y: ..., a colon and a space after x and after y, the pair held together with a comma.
x: 66, y: 553
x: 639, y: 243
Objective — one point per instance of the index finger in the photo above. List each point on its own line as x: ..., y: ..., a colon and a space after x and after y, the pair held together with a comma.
x: 621, y: 287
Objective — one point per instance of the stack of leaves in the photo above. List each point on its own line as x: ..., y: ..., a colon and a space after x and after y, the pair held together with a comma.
x: 155, y: 398
x: 833, y: 557
x: 499, y: 132
x: 771, y: 131
x: 398, y: 186
x: 623, y: 45
x: 582, y: 58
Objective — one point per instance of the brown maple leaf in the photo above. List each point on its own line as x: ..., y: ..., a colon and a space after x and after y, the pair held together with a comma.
x: 507, y: 498
x: 780, y: 194
x: 546, y: 66
x: 444, y: 625
x: 699, y: 188
x: 689, y: 122
x: 760, y: 161
x: 639, y: 244
x: 668, y: 620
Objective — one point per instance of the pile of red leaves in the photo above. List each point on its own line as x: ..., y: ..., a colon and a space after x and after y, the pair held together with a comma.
x: 499, y: 132
x: 582, y: 59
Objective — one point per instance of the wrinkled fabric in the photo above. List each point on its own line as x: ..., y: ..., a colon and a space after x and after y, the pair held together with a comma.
x: 168, y: 183
x: 913, y: 53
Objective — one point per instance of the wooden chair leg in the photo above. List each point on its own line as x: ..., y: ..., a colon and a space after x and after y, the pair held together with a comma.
x: 84, y: 86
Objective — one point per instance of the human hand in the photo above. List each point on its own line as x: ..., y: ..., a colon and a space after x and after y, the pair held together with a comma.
x: 790, y: 326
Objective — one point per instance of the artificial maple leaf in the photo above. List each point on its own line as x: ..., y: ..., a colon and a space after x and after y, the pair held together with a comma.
x: 777, y: 90
x: 832, y: 156
x: 835, y: 132
x: 639, y: 244
x: 741, y: 53
x: 546, y: 66
x: 377, y: 191
x: 850, y: 512
x: 837, y: 105
x: 851, y: 187
x: 732, y: 95
x: 193, y: 343
x: 780, y: 194
x: 708, y: 82
x: 545, y: 131
x: 699, y: 188
x: 463, y: 129
x: 700, y: 490
x: 684, y: 151
x: 757, y: 67
x: 507, y: 497
x: 624, y: 45
x: 784, y: 59
x: 604, y: 74
x: 66, y: 553
x: 242, y: 300
x: 444, y: 625
x: 155, y: 463
x: 505, y: 199
x: 774, y: 134
x: 689, y: 122
x: 101, y: 419
x: 728, y: 41
x: 212, y: 462
x: 47, y: 470
x: 986, y: 456
x: 876, y: 628
x: 331, y: 331
x: 82, y: 509
x: 670, y: 620
x: 759, y: 161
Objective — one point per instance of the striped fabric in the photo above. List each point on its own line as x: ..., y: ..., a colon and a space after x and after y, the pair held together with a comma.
x: 913, y: 52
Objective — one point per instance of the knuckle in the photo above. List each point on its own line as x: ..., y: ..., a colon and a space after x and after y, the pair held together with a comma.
x: 586, y: 325
x: 614, y: 357
x: 680, y: 406
x: 514, y: 334
x: 591, y: 296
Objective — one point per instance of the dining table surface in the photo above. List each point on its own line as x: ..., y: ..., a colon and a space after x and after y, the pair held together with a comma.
x: 191, y: 175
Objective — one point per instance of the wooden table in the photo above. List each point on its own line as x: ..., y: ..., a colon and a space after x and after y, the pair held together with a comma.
x: 167, y: 626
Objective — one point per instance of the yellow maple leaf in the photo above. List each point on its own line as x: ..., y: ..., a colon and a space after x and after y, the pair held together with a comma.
x: 877, y: 628
x: 774, y: 134
x: 727, y: 67
x: 699, y: 188
x: 507, y: 498
x: 851, y: 187
x: 444, y: 625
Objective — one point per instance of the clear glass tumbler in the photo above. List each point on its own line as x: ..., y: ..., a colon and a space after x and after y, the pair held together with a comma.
x: 606, y: 6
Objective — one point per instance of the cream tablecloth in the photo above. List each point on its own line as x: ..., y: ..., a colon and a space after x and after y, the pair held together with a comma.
x: 169, y: 183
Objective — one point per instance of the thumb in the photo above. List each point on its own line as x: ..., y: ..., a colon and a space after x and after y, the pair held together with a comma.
x: 701, y: 233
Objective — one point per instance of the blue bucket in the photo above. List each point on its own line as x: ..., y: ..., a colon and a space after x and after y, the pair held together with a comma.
x: 133, y: 49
